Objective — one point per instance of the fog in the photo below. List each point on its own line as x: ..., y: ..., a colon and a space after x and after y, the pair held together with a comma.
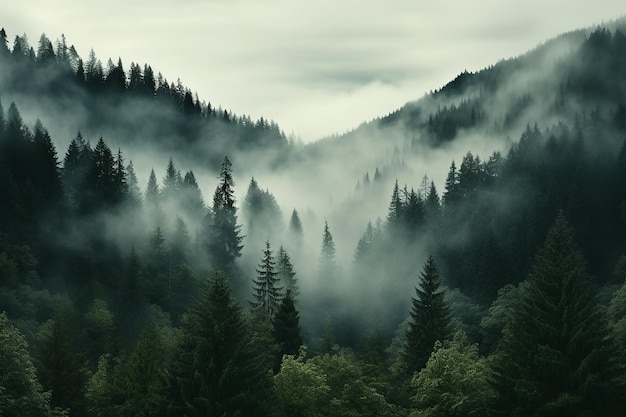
x: 323, y: 181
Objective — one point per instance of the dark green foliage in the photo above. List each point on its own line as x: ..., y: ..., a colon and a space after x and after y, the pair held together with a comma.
x: 287, y: 332
x: 556, y: 357
x: 214, y: 371
x: 20, y: 392
x: 62, y: 369
x: 430, y: 319
x: 266, y: 289
x: 225, y: 237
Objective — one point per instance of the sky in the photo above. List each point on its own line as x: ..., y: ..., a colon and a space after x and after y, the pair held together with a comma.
x: 315, y: 67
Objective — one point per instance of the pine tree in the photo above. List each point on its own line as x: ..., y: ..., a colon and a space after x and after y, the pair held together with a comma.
x: 395, y: 214
x: 61, y: 369
x: 266, y: 291
x: 452, y: 193
x: 214, y: 372
x: 225, y: 237
x: 327, y: 255
x: 134, y: 194
x: 430, y: 319
x: 286, y: 274
x: 295, y: 228
x: 287, y: 332
x: 556, y: 356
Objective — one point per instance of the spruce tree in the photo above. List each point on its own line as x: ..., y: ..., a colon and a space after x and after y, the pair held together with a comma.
x: 327, y: 255
x: 295, y: 228
x: 266, y: 291
x: 214, y: 372
x: 287, y: 332
x: 62, y: 369
x: 430, y: 319
x: 225, y: 237
x: 557, y: 357
x: 286, y: 274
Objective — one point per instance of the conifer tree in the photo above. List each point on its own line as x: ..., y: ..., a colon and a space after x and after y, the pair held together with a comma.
x: 266, y: 291
x: 286, y: 274
x: 287, y: 332
x: 327, y: 255
x: 295, y: 228
x: 430, y: 319
x: 61, y: 368
x: 214, y: 372
x: 225, y: 237
x: 556, y: 356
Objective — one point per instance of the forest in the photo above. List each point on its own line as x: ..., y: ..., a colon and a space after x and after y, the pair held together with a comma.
x: 146, y: 269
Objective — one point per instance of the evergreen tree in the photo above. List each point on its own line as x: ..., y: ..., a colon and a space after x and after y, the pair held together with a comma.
x: 214, y: 371
x: 171, y: 183
x: 556, y: 357
x: 134, y: 194
x: 327, y: 255
x: 430, y: 319
x: 61, y: 369
x: 452, y: 193
x: 45, y: 166
x: 266, y: 291
x: 225, y: 237
x: 287, y: 332
x: 395, y: 214
x: 286, y: 274
x: 295, y: 228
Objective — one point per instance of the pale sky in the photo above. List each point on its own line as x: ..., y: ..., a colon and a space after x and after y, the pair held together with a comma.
x: 315, y: 67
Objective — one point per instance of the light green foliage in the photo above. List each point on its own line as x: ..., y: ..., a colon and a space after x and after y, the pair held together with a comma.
x: 99, y: 326
x: 328, y: 385
x: 20, y: 392
x: 454, y: 381
x: 301, y: 388
x: 493, y: 323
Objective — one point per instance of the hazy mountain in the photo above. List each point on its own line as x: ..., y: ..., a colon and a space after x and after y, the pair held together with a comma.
x: 494, y: 207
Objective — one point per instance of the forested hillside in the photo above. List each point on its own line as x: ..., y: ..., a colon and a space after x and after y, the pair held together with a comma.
x: 464, y: 255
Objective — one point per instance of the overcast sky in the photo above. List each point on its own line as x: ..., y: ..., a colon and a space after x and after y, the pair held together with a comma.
x: 315, y: 67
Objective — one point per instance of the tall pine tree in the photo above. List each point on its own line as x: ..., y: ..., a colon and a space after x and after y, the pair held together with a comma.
x: 556, y: 357
x: 430, y: 319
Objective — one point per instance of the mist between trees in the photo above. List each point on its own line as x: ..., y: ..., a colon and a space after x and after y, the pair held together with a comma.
x: 168, y: 258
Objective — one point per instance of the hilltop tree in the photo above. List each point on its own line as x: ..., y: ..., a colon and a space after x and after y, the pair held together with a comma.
x: 430, y: 319
x: 225, y: 237
x: 556, y: 356
x: 266, y: 291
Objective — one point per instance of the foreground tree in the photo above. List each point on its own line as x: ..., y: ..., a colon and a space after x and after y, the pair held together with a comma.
x: 430, y: 320
x: 62, y: 369
x: 556, y: 357
x: 214, y: 371
x: 455, y: 382
x: 20, y: 392
x: 287, y: 332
